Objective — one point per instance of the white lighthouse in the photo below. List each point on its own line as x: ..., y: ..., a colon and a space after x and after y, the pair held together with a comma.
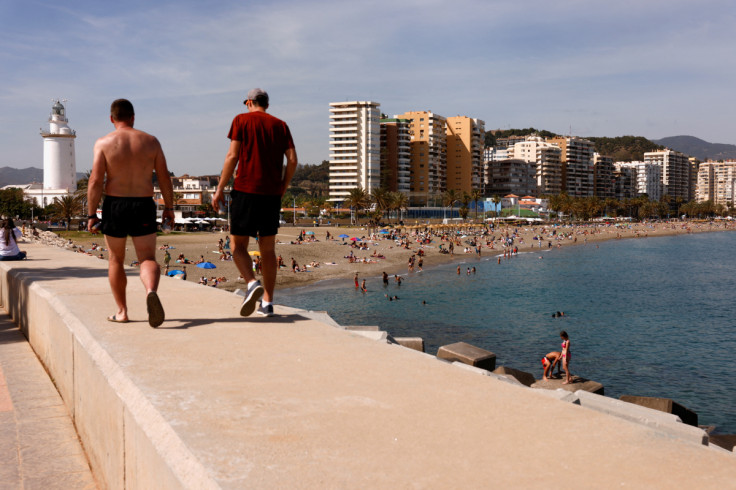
x: 59, y: 161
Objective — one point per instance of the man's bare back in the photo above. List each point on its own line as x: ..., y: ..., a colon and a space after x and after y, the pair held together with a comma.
x: 128, y: 158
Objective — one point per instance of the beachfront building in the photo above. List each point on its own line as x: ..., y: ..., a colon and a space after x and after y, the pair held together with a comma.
x: 624, y: 182
x: 545, y: 157
x: 464, y: 142
x: 694, y: 168
x: 191, y: 193
x: 428, y: 156
x: 603, y: 176
x: 355, y: 157
x: 577, y: 165
x: 59, y: 160
x: 717, y: 182
x: 494, y: 153
x: 646, y: 178
x: 396, y: 155
x: 675, y: 172
x: 510, y: 176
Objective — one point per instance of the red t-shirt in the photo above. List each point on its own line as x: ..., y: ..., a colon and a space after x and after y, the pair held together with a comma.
x: 264, y: 139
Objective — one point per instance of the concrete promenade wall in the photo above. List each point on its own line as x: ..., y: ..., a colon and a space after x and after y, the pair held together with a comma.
x: 212, y: 400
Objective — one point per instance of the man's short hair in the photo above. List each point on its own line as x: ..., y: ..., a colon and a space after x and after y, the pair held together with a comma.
x: 122, y: 110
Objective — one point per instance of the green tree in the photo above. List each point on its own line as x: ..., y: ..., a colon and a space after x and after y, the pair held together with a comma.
x: 13, y: 204
x: 357, y: 199
x: 399, y: 202
x: 66, y: 208
x: 476, y: 194
x: 381, y: 197
x: 496, y: 199
x: 465, y: 200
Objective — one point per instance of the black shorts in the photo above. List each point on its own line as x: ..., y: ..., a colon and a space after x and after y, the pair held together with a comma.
x: 254, y: 214
x: 123, y: 216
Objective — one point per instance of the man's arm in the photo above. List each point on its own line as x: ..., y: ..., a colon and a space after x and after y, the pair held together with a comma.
x: 164, y: 184
x: 228, y: 168
x: 95, y: 183
x: 291, y: 164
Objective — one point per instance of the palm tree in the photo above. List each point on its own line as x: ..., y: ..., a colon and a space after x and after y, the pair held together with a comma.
x: 81, y: 192
x: 381, y: 197
x: 178, y: 198
x: 399, y: 202
x: 496, y: 200
x: 476, y: 194
x: 465, y: 205
x: 66, y: 208
x: 358, y: 199
x: 448, y: 199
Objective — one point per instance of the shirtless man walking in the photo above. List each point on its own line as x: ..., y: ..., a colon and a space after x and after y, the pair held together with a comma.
x: 124, y: 162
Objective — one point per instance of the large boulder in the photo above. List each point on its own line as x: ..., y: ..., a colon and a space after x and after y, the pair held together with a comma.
x: 527, y: 379
x: 468, y: 354
x: 664, y: 405
x: 578, y: 383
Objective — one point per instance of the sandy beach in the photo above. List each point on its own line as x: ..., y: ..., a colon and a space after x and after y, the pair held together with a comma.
x: 319, y: 258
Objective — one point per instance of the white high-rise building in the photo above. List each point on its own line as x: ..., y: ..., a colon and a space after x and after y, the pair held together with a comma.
x: 717, y: 182
x: 675, y: 172
x: 646, y: 178
x: 355, y: 148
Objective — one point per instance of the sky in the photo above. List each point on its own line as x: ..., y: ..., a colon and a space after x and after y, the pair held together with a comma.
x: 589, y: 68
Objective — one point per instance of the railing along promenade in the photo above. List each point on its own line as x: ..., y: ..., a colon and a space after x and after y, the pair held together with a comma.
x: 212, y: 400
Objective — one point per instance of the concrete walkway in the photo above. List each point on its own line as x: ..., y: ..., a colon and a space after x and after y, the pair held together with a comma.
x: 38, y: 443
x: 212, y: 400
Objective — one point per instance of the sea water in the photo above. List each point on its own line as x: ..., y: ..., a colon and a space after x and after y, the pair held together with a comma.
x: 648, y: 316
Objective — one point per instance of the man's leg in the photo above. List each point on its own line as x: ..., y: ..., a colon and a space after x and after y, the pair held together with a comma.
x: 116, y: 274
x: 241, y: 257
x: 267, y: 247
x: 145, y: 250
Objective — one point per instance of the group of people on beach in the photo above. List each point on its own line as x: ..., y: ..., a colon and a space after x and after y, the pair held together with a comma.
x: 559, y: 359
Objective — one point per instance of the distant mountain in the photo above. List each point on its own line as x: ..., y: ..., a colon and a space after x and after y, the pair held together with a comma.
x: 20, y: 176
x: 700, y: 149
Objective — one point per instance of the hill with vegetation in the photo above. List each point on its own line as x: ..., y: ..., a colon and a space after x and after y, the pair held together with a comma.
x: 624, y: 148
x: 700, y: 149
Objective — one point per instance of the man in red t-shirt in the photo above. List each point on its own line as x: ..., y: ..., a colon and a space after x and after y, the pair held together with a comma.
x: 258, y: 144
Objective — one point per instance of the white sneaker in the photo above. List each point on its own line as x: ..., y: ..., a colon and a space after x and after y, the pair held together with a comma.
x: 252, y: 295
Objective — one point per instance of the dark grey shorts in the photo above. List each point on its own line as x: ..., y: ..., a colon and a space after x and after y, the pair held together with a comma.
x: 254, y: 214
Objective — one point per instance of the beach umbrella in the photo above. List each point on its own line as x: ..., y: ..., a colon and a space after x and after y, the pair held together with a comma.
x: 383, y: 232
x: 175, y: 272
x: 255, y: 253
x: 343, y: 236
x: 355, y: 239
x: 310, y: 233
x: 206, y: 265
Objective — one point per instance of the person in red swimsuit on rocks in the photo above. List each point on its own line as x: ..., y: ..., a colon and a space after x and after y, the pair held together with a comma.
x: 549, y: 362
x: 566, y: 357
